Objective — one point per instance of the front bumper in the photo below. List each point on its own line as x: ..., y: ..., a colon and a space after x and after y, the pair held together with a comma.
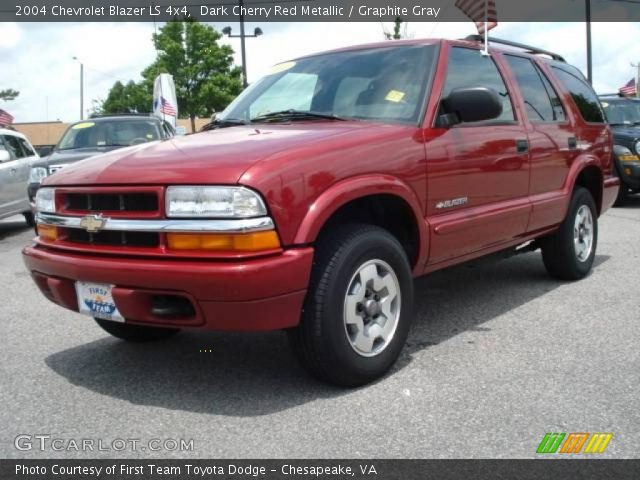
x: 259, y: 294
x: 629, y: 174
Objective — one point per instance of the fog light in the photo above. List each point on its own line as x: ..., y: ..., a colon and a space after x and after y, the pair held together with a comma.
x: 627, y: 171
x: 48, y: 232
x: 241, y: 242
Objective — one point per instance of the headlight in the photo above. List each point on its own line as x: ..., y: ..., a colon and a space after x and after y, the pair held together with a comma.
x: 214, y: 202
x: 38, y: 174
x: 637, y: 147
x: 46, y: 200
x: 624, y: 154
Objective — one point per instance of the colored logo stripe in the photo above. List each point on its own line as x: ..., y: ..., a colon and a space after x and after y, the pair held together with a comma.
x: 550, y: 443
x: 598, y: 442
x: 574, y: 443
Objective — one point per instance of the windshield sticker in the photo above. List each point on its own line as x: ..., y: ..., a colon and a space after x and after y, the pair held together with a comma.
x: 149, y: 136
x: 79, y: 126
x: 281, y: 67
x: 395, y: 96
x: 605, y: 104
x: 101, y: 143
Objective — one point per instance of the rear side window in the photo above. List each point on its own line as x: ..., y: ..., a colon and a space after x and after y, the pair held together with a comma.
x: 26, y: 147
x: 541, y: 100
x: 583, y: 95
x: 467, y: 68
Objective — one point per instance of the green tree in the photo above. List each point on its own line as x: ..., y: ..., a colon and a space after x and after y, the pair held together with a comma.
x: 131, y: 97
x: 206, y: 79
x: 8, y: 94
x: 397, y: 26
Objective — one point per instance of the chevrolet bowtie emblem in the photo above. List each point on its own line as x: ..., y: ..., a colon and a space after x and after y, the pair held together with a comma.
x: 93, y: 223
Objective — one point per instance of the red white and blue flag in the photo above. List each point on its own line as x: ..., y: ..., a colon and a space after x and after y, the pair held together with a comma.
x: 5, y: 118
x: 630, y: 88
x: 480, y: 11
x: 166, y: 107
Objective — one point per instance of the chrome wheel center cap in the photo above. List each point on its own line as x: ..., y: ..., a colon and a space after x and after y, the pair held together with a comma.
x: 372, y: 308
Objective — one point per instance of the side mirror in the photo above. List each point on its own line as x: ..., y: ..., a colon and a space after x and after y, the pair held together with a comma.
x: 4, y: 156
x: 470, y: 104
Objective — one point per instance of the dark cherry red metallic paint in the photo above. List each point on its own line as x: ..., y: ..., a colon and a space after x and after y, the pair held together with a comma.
x: 308, y: 170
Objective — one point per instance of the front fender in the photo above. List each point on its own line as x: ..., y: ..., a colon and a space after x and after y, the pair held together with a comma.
x: 354, y: 188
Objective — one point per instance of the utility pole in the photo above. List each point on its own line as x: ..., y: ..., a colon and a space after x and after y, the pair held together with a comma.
x: 589, y: 63
x: 81, y: 88
x: 256, y: 33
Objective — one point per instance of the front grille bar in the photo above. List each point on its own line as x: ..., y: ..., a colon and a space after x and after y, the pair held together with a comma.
x: 244, y: 225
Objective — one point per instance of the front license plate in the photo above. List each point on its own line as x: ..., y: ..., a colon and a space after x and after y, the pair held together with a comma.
x: 95, y: 300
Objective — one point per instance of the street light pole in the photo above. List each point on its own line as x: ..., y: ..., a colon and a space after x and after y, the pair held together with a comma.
x: 81, y: 88
x: 589, y: 64
x: 243, y: 47
x: 256, y: 33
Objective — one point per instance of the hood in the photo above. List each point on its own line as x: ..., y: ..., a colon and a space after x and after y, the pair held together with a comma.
x: 65, y: 157
x: 217, y: 156
x: 626, y: 136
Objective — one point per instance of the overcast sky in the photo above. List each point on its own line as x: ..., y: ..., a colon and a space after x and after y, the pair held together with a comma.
x: 37, y: 58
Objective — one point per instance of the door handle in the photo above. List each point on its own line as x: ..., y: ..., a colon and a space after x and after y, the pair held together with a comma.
x: 13, y: 170
x: 522, y: 146
x: 572, y: 142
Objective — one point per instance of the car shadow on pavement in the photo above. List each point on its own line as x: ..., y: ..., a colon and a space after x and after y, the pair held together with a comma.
x: 256, y: 374
x: 11, y: 227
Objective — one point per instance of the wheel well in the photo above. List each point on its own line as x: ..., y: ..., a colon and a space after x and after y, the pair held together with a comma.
x: 386, y: 211
x: 591, y: 179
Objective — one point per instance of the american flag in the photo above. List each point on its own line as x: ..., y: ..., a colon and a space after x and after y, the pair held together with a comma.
x: 166, y: 107
x: 476, y: 9
x: 629, y: 88
x: 5, y: 118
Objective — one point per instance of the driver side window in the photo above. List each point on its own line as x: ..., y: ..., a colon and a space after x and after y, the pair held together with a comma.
x: 468, y: 68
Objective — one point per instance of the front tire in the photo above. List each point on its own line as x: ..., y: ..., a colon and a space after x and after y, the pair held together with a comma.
x: 135, y: 333
x: 569, y: 253
x: 30, y: 219
x: 358, y: 309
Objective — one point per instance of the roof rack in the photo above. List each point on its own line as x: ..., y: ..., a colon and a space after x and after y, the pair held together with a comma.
x: 527, y: 48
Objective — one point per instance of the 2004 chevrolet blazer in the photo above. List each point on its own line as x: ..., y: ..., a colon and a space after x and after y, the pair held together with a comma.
x: 324, y: 188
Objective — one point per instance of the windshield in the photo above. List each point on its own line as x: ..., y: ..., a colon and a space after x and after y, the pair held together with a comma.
x: 384, y: 84
x: 116, y: 133
x: 622, y: 112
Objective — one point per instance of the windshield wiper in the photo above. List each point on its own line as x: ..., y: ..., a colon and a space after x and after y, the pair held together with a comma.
x: 225, y: 122
x: 292, y: 114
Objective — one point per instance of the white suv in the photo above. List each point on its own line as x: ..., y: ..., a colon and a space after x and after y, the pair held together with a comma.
x: 16, y: 156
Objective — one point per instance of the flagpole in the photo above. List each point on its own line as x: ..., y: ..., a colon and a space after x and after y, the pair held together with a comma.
x: 486, y: 28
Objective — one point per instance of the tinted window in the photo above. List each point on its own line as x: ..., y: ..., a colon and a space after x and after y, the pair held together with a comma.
x: 467, y: 68
x: 106, y: 133
x: 539, y: 103
x: 13, y: 145
x: 584, y: 96
x: 26, y: 147
x: 625, y: 112
x: 386, y: 84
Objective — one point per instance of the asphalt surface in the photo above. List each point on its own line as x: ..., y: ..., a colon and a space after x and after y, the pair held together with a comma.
x: 499, y: 355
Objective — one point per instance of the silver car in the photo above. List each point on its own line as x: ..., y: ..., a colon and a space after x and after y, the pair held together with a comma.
x: 16, y: 157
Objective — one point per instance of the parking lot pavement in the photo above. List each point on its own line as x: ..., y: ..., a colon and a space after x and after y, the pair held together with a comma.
x: 499, y: 354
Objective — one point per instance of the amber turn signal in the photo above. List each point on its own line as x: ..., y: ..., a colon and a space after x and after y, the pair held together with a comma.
x: 48, y: 232
x: 240, y: 242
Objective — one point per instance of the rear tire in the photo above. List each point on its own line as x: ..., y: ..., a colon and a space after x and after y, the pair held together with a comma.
x: 135, y: 333
x: 358, y: 309
x: 568, y: 254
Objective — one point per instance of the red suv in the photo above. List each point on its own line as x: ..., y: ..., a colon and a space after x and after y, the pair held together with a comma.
x: 323, y: 190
